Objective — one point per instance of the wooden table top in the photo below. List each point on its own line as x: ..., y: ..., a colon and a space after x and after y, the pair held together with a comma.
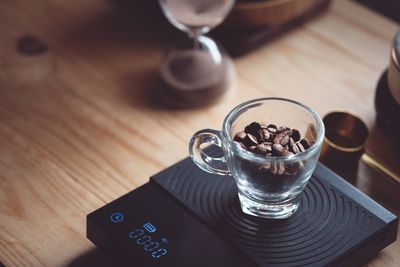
x: 80, y: 124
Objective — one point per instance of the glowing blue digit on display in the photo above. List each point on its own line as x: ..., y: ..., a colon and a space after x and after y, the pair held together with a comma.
x: 143, y: 240
x: 135, y: 234
x: 148, y: 242
x: 157, y: 254
x: 151, y: 247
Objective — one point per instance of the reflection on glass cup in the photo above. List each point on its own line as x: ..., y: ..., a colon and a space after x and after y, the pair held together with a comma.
x: 268, y: 186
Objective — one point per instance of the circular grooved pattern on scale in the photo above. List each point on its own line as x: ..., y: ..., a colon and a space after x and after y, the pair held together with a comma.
x: 323, y: 225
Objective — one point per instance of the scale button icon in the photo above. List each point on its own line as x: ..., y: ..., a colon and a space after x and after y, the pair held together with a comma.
x: 149, y: 227
x: 117, y: 217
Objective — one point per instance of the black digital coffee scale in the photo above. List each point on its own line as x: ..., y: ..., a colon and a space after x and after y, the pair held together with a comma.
x: 186, y: 217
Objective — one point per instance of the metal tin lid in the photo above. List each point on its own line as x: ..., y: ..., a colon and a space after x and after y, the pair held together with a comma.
x: 394, y: 69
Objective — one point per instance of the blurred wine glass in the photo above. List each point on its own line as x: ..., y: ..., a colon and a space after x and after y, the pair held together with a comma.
x: 198, y: 70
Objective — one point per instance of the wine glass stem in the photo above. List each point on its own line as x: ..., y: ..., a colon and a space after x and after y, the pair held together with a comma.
x: 195, y: 34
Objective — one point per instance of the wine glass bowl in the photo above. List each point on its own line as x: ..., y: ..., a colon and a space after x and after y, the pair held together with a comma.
x: 196, y: 15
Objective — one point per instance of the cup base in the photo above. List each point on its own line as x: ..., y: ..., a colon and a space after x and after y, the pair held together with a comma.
x: 268, y: 211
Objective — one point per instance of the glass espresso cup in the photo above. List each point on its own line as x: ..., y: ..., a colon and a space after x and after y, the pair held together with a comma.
x: 268, y: 186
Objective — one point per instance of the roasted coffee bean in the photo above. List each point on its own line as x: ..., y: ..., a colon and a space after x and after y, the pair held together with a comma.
x: 265, y: 167
x: 271, y: 128
x: 262, y: 135
x: 277, y: 149
x: 239, y: 137
x: 277, y: 168
x: 295, y: 167
x: 271, y: 137
x: 295, y: 149
x: 295, y: 135
x: 291, y: 141
x: 273, y: 169
x: 268, y: 146
x: 291, y: 169
x: 305, y: 143
x: 281, y: 138
x: 282, y: 129
x: 281, y: 168
x: 261, y: 149
x: 278, y: 138
x: 250, y: 140
x: 266, y: 134
x: 259, y: 136
x: 285, y: 140
x: 300, y: 146
x: 253, y: 128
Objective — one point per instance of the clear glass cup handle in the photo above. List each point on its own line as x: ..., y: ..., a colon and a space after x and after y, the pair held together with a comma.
x: 216, y: 165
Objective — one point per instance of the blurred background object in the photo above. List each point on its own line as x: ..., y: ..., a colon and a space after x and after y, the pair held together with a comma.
x: 388, y: 8
x: 257, y: 13
x: 252, y: 23
x: 387, y: 98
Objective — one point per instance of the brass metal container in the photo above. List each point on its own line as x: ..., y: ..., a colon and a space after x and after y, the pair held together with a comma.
x: 345, y: 138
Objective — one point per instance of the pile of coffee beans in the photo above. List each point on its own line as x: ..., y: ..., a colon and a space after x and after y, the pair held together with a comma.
x: 271, y: 140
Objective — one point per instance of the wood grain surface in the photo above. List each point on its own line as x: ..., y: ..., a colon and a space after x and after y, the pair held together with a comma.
x: 81, y: 121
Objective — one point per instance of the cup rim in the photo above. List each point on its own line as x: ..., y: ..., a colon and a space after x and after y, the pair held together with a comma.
x: 255, y: 157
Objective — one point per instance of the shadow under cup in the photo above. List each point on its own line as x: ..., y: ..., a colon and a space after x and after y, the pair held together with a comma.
x: 268, y: 186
